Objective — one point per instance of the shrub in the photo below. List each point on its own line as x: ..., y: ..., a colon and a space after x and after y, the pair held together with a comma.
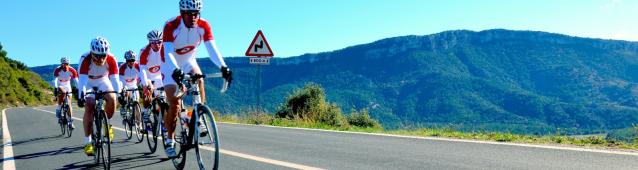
x: 362, y: 119
x: 309, y: 104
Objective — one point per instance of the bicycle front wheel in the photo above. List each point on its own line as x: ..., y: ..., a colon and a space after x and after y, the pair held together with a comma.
x: 207, y: 148
x: 106, y: 141
x: 67, y: 121
x: 138, y: 125
x: 128, y: 124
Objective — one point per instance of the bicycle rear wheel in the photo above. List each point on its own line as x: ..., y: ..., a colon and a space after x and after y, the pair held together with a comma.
x: 181, y: 145
x: 207, y: 148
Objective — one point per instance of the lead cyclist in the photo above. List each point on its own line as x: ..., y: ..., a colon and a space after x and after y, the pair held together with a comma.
x: 182, y: 35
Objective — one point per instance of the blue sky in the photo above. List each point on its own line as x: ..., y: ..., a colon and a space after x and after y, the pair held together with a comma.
x: 40, y: 32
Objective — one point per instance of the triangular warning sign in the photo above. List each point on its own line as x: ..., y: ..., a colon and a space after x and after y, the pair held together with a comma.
x: 259, y: 46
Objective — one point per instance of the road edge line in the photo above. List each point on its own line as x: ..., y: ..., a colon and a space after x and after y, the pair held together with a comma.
x: 7, y: 153
x: 453, y: 140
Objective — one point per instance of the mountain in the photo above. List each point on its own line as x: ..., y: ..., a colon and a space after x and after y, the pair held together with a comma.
x: 20, y: 86
x: 516, y: 81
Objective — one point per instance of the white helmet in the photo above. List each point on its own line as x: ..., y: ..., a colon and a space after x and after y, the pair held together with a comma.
x: 100, y: 45
x: 64, y: 60
x: 129, y: 55
x: 190, y: 5
x: 154, y: 35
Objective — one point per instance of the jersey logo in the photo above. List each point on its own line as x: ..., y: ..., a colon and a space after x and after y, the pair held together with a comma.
x: 185, y: 50
x: 154, y: 69
x: 129, y: 80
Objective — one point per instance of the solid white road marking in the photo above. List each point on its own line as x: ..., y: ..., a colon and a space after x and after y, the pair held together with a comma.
x: 233, y: 153
x: 7, y: 156
x: 455, y: 140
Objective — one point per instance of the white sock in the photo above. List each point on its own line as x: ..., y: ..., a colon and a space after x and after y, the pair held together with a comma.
x: 87, y: 139
x: 169, y: 141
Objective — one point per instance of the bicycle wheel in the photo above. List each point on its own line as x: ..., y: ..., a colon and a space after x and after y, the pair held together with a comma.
x: 207, y: 148
x: 106, y: 142
x: 138, y: 125
x: 97, y: 139
x: 128, y: 125
x: 181, y: 145
x: 152, y: 137
x: 67, y: 121
x: 62, y: 122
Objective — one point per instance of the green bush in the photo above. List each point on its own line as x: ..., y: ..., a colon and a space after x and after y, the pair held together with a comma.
x: 362, y: 119
x: 309, y: 104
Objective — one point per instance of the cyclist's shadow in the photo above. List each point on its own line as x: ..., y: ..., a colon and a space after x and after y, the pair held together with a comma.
x: 124, y: 161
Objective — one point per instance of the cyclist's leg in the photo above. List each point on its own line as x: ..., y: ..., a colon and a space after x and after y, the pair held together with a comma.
x: 173, y: 108
x: 88, y: 118
x: 110, y: 101
x: 88, y: 124
x: 60, y: 98
x: 196, y: 70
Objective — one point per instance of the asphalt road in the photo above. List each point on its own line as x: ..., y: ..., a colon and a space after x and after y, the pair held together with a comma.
x: 36, y: 144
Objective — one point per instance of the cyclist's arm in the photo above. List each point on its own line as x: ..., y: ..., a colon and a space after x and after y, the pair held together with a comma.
x: 114, y: 76
x: 170, y: 64
x: 55, y: 82
x: 122, y: 70
x: 56, y: 73
x: 143, y: 75
x: 211, y: 46
x: 214, y: 53
x: 81, y: 83
x: 74, y: 73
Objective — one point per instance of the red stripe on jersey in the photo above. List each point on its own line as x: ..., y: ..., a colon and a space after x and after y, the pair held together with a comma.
x: 112, y: 65
x: 208, y: 35
x: 56, y: 73
x: 170, y: 26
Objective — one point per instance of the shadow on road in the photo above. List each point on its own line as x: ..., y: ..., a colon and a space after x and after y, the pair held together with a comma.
x: 125, y: 161
x: 65, y: 150
x: 39, y: 140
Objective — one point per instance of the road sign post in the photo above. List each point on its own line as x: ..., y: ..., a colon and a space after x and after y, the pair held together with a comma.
x: 260, y: 49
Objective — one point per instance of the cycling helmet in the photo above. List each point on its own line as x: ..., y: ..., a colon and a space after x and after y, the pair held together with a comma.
x: 64, y: 60
x: 154, y: 35
x: 100, y: 46
x: 129, y: 55
x: 190, y: 5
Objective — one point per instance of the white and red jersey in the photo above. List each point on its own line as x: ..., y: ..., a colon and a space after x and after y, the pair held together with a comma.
x: 130, y: 75
x: 180, y: 45
x: 63, y: 76
x: 185, y: 40
x: 151, y: 62
x: 105, y: 77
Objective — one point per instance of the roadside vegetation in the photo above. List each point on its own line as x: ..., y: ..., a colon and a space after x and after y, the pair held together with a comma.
x: 307, y: 108
x: 19, y: 86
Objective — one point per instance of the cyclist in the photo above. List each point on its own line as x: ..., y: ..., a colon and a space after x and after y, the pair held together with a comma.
x: 182, y: 35
x: 63, y: 75
x: 98, y: 69
x: 130, y: 75
x: 151, y: 59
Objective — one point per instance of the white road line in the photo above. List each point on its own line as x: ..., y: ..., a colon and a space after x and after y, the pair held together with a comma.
x: 455, y: 140
x: 236, y: 154
x: 7, y: 156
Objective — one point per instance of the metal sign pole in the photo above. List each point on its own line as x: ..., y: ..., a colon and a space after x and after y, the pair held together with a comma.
x: 259, y: 88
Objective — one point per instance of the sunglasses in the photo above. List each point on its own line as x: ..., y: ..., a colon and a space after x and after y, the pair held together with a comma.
x: 99, y: 56
x: 130, y: 61
x: 191, y: 13
x: 155, y: 42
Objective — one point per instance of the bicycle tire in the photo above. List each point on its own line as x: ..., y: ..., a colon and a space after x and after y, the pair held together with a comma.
x: 181, y: 145
x: 106, y: 143
x: 204, y: 144
x: 138, y: 125
x: 67, y: 121
x: 128, y: 127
